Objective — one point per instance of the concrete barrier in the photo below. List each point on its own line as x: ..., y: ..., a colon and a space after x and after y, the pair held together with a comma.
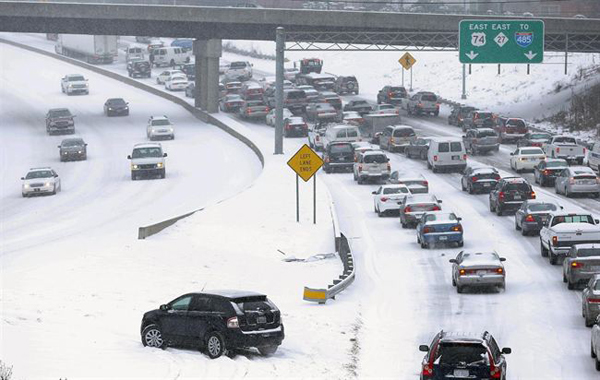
x: 144, y: 232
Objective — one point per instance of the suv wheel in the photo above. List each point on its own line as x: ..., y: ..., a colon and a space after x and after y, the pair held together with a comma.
x: 553, y: 258
x: 152, y: 337
x: 570, y: 285
x: 215, y: 345
x: 267, y: 350
x: 499, y: 210
x: 543, y: 250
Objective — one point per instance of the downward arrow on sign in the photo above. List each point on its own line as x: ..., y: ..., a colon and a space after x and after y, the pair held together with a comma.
x: 530, y: 55
x: 472, y: 55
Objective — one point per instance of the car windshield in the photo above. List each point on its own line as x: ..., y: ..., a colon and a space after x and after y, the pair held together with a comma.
x: 340, y: 148
x: 116, y: 102
x: 233, y: 97
x: 160, y: 122
x: 532, y: 151
x: 587, y: 252
x: 486, y: 133
x: 76, y: 78
x: 60, y: 113
x: 450, y: 353
x: 456, y: 146
x: 296, y: 94
x: 441, y: 217
x: 484, y: 115
x: 540, y: 136
x: 375, y: 159
x: 398, y: 89
x: 404, y: 132
x: 556, y: 164
x: 360, y: 103
x: 395, y: 190
x: 72, y: 143
x: 521, y: 187
x: 386, y: 107
x: 542, y: 207
x: 237, y: 65
x: 429, y: 98
x: 146, y: 152
x: 572, y: 219
x: 39, y: 174
x: 565, y: 140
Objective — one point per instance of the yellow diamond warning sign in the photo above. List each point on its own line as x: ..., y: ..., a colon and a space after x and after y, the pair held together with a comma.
x: 407, y: 61
x: 305, y: 162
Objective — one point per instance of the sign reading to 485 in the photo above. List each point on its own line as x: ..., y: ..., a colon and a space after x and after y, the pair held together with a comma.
x: 501, y: 41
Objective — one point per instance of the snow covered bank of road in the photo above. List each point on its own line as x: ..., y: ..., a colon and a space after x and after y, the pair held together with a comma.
x: 74, y: 301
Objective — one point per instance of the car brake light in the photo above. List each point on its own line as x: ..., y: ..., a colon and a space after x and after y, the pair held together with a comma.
x: 318, y: 138
x: 420, y: 105
x: 391, y: 140
x: 436, y: 208
x: 326, y: 159
x: 593, y: 300
x: 576, y: 264
x: 233, y: 323
x: 427, y: 230
x: 497, y: 177
x: 462, y: 272
x: 495, y: 372
x: 532, y: 195
x: 501, y: 195
x: 360, y: 168
x: 248, y: 110
x: 425, y: 183
x: 427, y: 370
x: 499, y: 270
x: 407, y: 209
x: 546, y: 172
x: 584, y: 150
x: 460, y: 119
x: 384, y: 199
x: 529, y: 218
x: 435, y: 158
x: 457, y: 228
x: 572, y: 181
x: 555, y: 240
x: 464, y: 157
x: 557, y: 150
x: 437, y: 105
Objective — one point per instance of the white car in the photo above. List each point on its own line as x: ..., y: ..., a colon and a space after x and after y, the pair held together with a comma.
x: 289, y: 73
x: 386, y: 199
x: 40, y: 181
x: 167, y: 74
x: 270, y: 118
x: 176, y: 83
x: 74, y: 83
x: 385, y: 109
x: 526, y: 158
x: 160, y: 127
x: 147, y: 160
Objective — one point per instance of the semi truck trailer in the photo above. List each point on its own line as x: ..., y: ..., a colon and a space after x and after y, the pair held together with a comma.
x: 89, y: 48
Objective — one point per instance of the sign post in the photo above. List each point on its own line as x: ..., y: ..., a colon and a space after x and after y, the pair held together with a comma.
x: 306, y: 162
x: 501, y: 41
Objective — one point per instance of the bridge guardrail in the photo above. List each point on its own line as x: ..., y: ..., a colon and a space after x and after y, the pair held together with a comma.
x: 144, y: 232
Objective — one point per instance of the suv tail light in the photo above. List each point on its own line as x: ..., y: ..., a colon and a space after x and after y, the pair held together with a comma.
x: 436, y: 208
x: 546, y: 172
x: 576, y: 264
x: 390, y: 94
x: 425, y: 183
x: 532, y: 195
x: 462, y: 272
x: 584, y: 150
x: 572, y: 181
x: 435, y: 158
x: 384, y: 199
x: 457, y: 228
x: 420, y: 105
x: 407, y: 209
x: 555, y: 240
x: 499, y: 270
x: 501, y: 195
x: 427, y: 230
x: 529, y: 218
x: 233, y: 323
x: 326, y: 159
x: 495, y: 372
x: 360, y: 168
x: 427, y: 371
x: 593, y: 300
x: 464, y: 157
x: 497, y: 177
x: 557, y: 150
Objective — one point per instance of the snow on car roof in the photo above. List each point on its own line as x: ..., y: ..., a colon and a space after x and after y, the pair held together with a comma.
x: 40, y: 168
x: 374, y: 152
x: 147, y: 145
x: 403, y: 127
x: 421, y: 198
x: 485, y: 169
x: 481, y: 256
x: 230, y: 293
x: 581, y: 170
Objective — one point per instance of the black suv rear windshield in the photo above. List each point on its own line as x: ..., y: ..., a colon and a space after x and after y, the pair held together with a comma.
x: 521, y: 187
x: 341, y: 148
x: 60, y: 113
x: 237, y: 65
x: 469, y: 353
x: 349, y: 79
x: 486, y: 134
x: 404, y: 132
x: 516, y: 123
x: 253, y: 303
x: 542, y: 207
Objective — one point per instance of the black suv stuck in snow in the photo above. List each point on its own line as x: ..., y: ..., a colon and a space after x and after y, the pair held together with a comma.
x: 509, y: 194
x: 338, y: 156
x: 463, y: 356
x: 218, y: 322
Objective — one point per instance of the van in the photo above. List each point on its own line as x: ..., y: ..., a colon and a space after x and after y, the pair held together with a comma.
x: 133, y: 53
x: 594, y: 156
x: 446, y: 154
x: 341, y: 133
x: 397, y: 137
x: 169, y: 56
x: 372, y: 165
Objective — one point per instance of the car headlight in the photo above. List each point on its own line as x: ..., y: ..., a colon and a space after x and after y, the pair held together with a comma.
x: 159, y: 165
x: 170, y: 129
x: 70, y: 85
x: 134, y: 166
x: 110, y: 109
x: 126, y: 108
x: 87, y: 85
x: 26, y: 186
x: 47, y: 184
x: 79, y: 151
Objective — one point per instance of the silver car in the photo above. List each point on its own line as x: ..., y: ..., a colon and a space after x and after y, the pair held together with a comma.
x: 413, y: 207
x: 581, y: 263
x: 73, y: 149
x: 590, y: 301
x: 416, y: 184
x: 577, y: 180
x: 478, y: 269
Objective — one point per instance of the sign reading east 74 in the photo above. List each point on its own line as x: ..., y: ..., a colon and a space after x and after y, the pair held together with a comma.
x: 501, y: 41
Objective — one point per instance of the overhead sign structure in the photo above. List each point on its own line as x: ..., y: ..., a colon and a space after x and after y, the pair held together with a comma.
x: 501, y: 41
x: 407, y: 61
x: 305, y: 162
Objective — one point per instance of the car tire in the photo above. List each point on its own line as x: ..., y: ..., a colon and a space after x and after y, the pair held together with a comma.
x: 570, y: 285
x: 133, y: 177
x: 470, y: 190
x: 524, y: 232
x: 597, y: 362
x: 459, y: 289
x: 462, y: 186
x: 423, y: 245
x: 453, y: 281
x: 568, y: 193
x: 24, y: 195
x: 499, y: 210
x: 267, y: 350
x: 423, y: 156
x: 461, y: 243
x: 214, y: 345
x: 404, y: 225
x: 152, y: 337
x: 592, y: 353
x: 543, y: 250
x: 517, y: 226
x: 163, y: 174
x: 502, y: 287
x: 552, y: 258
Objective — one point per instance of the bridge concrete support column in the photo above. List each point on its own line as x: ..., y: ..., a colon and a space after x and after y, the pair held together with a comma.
x: 206, y: 93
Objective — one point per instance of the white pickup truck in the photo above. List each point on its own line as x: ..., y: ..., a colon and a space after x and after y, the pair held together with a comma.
x: 565, y: 147
x: 563, y: 229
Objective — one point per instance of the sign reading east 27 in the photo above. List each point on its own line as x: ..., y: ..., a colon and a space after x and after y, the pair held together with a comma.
x: 501, y: 41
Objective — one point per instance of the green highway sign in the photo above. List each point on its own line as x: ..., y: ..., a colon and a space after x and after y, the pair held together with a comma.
x: 501, y: 41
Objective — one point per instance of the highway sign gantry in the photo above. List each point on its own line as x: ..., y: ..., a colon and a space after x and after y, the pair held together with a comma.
x: 305, y: 162
x: 501, y: 41
x: 407, y: 61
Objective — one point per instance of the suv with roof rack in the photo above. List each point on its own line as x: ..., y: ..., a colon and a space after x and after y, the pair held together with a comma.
x: 147, y: 159
x: 463, y: 356
x: 219, y: 321
x: 509, y: 194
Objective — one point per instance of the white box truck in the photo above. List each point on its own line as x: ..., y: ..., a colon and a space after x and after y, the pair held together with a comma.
x: 89, y: 48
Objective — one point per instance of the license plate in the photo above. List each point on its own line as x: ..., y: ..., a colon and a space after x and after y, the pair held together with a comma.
x: 481, y: 272
x: 342, y: 159
x: 456, y: 157
x: 543, y: 219
x: 595, y: 267
x: 36, y: 189
x: 517, y: 197
x: 461, y: 373
x: 443, y: 237
x: 261, y: 320
x: 487, y: 184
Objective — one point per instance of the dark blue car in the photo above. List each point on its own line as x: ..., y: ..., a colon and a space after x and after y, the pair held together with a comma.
x: 439, y: 228
x: 184, y: 43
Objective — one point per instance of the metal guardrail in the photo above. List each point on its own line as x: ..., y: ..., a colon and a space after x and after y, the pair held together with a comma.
x: 345, y: 252
x: 144, y: 232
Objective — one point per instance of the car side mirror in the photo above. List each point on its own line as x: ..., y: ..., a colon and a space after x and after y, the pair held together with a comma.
x: 164, y: 155
x: 164, y: 307
x: 56, y: 176
x: 506, y: 350
x: 388, y: 160
x: 512, y: 154
x: 459, y: 219
x: 439, y: 201
x: 85, y: 144
x: 453, y: 261
x: 22, y: 178
x: 373, y: 192
x: 424, y: 348
x: 596, y: 221
x: 503, y: 259
x: 464, y: 136
x: 561, y: 207
x: 129, y: 157
x: 58, y: 146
